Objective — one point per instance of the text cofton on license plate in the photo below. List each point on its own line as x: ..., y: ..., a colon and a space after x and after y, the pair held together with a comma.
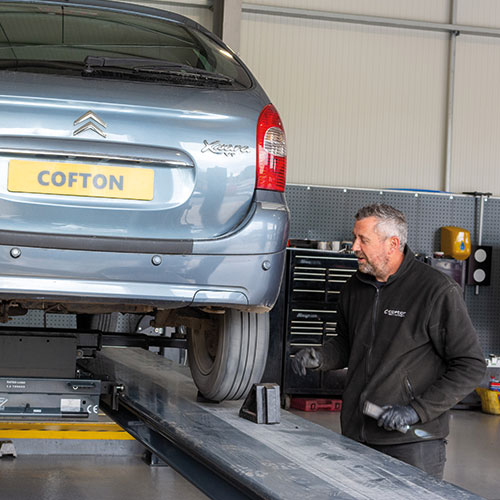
x: 79, y: 179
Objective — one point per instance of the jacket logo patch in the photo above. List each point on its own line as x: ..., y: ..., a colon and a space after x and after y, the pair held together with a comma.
x: 393, y: 312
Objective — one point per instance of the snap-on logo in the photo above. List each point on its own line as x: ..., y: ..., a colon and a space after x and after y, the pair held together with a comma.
x: 393, y: 312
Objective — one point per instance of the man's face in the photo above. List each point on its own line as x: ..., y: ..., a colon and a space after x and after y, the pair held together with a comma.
x: 371, y: 249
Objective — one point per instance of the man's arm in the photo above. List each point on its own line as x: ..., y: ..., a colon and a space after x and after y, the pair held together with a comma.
x: 333, y: 355
x: 455, y: 339
x: 335, y: 352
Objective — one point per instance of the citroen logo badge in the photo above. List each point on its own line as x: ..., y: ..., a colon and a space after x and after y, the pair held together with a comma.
x: 90, y: 121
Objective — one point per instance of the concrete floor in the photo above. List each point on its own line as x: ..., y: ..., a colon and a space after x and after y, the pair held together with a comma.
x: 90, y: 477
x: 473, y: 463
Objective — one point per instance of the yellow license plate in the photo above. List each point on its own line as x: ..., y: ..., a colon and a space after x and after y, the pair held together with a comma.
x: 79, y: 179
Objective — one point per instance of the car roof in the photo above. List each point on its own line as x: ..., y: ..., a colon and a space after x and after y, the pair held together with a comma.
x: 119, y: 6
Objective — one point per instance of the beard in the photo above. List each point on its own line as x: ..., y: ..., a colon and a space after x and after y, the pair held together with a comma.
x: 367, y: 268
x: 371, y: 268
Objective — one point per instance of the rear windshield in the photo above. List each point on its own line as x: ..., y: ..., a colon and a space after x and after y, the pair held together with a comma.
x: 51, y: 39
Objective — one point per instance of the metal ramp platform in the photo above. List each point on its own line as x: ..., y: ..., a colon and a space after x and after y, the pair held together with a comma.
x: 228, y: 457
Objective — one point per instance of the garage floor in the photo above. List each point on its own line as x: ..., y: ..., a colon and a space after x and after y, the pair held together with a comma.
x: 473, y: 463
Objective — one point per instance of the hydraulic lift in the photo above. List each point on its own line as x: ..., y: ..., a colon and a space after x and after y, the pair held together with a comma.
x: 228, y: 457
x: 224, y: 455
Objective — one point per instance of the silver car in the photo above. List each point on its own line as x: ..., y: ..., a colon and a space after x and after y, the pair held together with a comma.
x: 142, y: 172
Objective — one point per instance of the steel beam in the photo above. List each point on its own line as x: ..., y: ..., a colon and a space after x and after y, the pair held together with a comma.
x: 387, y: 22
x: 146, y: 431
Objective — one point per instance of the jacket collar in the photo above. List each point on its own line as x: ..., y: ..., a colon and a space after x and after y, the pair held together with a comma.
x: 408, y: 260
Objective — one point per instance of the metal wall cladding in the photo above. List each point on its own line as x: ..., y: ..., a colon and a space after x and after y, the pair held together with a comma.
x: 327, y: 214
x: 475, y: 146
x: 362, y: 105
x: 485, y: 13
x: 366, y: 106
x: 423, y: 10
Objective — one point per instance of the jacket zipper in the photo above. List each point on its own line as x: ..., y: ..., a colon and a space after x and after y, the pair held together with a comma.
x: 372, y: 336
x: 367, y: 371
x: 410, y: 389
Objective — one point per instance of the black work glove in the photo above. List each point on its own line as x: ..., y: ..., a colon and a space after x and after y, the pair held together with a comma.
x: 306, y: 358
x: 397, y: 418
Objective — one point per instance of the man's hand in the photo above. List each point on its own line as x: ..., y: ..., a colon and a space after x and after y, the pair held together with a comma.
x: 397, y: 417
x: 306, y: 358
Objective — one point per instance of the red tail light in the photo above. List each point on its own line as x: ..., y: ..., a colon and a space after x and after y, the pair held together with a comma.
x: 271, y: 151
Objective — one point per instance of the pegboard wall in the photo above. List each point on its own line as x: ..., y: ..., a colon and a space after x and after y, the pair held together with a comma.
x: 41, y: 319
x: 327, y: 214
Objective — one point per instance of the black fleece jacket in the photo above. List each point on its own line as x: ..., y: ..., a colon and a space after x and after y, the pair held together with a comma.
x: 408, y: 341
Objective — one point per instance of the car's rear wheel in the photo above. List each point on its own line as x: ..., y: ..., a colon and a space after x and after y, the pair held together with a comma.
x: 228, y: 359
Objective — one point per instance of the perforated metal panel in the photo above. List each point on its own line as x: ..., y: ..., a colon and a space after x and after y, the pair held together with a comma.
x: 327, y: 213
x: 39, y: 319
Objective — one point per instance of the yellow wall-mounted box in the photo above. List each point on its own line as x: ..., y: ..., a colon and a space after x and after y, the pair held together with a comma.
x: 455, y: 242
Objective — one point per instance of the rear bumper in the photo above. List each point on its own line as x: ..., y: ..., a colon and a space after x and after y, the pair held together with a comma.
x: 179, y: 281
x: 264, y: 231
x: 242, y: 270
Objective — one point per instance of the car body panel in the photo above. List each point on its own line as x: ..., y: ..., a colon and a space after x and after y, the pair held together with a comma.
x: 190, y: 229
x: 205, y: 196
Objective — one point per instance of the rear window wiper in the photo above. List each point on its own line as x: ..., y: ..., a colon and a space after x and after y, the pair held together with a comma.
x: 151, y: 68
x: 124, y: 67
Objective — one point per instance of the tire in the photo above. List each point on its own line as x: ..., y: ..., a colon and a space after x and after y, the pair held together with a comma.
x: 226, y: 363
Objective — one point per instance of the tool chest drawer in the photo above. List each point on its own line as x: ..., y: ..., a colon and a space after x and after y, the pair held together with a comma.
x: 313, y: 284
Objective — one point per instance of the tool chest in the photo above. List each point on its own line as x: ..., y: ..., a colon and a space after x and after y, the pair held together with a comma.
x: 306, y: 315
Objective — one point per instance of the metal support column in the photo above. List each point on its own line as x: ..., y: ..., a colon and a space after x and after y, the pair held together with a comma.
x: 451, y: 93
x: 227, y: 22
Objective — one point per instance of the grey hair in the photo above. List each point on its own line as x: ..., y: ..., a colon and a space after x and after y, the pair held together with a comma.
x: 392, y: 222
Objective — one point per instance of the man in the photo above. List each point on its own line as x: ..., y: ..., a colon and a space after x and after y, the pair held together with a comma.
x: 408, y: 342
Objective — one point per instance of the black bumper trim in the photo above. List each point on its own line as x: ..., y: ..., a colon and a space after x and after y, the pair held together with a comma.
x: 95, y: 243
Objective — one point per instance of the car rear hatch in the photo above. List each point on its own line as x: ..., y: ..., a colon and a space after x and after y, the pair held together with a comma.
x: 134, y: 160
x: 94, y: 143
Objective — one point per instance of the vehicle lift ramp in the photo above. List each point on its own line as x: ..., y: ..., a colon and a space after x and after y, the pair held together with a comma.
x: 228, y: 457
